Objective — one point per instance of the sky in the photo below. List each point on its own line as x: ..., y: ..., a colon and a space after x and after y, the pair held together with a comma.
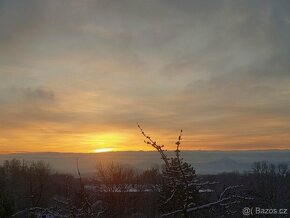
x: 76, y: 76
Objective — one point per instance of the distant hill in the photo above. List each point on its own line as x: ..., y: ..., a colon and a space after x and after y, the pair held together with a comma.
x: 205, y: 162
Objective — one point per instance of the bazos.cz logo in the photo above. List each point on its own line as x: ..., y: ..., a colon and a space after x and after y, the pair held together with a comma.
x: 247, y: 211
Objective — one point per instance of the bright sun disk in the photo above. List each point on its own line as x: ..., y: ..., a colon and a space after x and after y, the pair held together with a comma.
x: 100, y: 150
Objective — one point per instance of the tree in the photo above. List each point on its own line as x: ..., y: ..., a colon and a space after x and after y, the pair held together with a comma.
x: 114, y: 182
x: 181, y: 187
x: 270, y: 183
x: 6, y: 200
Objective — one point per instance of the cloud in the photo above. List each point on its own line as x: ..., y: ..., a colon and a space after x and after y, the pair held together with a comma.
x: 38, y: 94
x: 211, y: 67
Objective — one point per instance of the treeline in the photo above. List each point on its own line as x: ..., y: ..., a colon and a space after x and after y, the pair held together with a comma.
x: 267, y: 183
x: 29, y: 184
x: 31, y: 189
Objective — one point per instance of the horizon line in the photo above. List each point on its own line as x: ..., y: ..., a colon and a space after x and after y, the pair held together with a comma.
x: 199, y: 150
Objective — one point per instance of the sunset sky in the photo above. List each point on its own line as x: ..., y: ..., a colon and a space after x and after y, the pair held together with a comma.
x: 76, y: 76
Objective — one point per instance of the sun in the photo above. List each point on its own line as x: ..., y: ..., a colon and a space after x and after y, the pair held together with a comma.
x: 101, y: 150
x: 105, y: 142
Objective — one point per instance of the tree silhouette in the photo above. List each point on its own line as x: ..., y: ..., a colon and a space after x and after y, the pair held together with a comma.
x: 180, y: 189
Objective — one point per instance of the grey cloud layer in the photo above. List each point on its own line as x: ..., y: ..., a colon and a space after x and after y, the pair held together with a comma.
x: 202, y: 65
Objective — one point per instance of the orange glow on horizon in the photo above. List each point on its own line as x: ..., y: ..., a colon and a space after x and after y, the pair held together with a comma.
x: 105, y: 142
x: 31, y: 140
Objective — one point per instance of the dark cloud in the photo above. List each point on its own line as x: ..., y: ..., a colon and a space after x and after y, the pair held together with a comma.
x: 38, y: 94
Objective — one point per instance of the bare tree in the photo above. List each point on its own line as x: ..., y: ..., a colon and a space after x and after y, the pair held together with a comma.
x: 78, y: 206
x: 182, y: 184
x: 115, y: 184
x: 270, y: 183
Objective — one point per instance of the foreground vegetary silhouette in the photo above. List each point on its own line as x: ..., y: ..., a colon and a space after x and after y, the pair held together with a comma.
x: 180, y: 193
x: 120, y: 192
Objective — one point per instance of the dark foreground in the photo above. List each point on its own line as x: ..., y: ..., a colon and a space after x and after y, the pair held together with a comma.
x: 31, y: 189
